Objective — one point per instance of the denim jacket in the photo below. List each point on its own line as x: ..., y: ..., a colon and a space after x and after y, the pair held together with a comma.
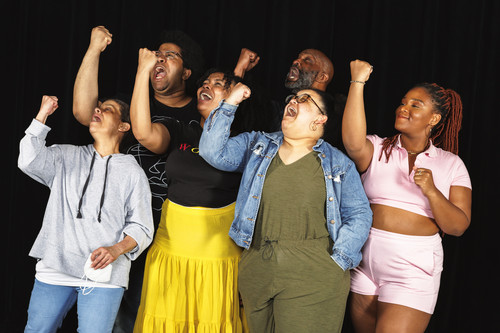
x: 348, y: 212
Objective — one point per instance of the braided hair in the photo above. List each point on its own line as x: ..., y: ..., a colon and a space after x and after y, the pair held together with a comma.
x: 444, y: 134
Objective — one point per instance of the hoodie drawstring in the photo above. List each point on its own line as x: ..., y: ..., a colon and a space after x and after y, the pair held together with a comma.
x: 79, y: 213
x: 103, y: 190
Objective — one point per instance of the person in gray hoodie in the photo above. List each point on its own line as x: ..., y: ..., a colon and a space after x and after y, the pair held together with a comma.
x: 98, y: 218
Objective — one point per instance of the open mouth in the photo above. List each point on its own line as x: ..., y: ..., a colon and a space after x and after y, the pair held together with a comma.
x: 291, y: 111
x: 293, y: 74
x: 159, y: 73
x: 204, y: 96
x: 96, y: 118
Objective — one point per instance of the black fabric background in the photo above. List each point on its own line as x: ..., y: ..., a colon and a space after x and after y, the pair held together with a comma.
x: 455, y: 43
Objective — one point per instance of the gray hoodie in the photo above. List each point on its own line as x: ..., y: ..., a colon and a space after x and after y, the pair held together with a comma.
x: 93, y: 202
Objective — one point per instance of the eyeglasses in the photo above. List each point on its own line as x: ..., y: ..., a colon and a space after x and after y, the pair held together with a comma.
x: 301, y: 99
x: 169, y: 55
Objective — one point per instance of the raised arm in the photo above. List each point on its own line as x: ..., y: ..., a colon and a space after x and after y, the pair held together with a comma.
x: 49, y: 106
x: 153, y: 136
x: 247, y: 60
x: 35, y: 159
x: 358, y: 147
x: 86, y: 90
x: 216, y: 147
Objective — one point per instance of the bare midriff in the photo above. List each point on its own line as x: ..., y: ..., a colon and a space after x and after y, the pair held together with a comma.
x: 402, y: 221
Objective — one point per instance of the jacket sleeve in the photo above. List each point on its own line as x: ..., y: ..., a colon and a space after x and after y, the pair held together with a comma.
x: 139, y: 218
x: 35, y: 159
x: 356, y: 216
x: 217, y: 147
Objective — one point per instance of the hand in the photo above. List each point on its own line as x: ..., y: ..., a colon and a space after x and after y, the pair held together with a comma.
x: 147, y: 60
x: 104, y: 256
x: 247, y: 60
x: 360, y: 70
x: 238, y: 94
x: 49, y: 106
x: 423, y: 178
x: 100, y: 38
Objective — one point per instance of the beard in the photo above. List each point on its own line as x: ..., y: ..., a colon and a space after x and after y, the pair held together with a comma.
x: 304, y: 81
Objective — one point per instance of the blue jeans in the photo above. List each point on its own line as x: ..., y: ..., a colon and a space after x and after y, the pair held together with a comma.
x: 49, y: 304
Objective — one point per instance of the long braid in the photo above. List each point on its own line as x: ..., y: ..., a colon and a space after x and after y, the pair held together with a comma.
x: 387, y: 146
x: 445, y: 134
x: 448, y: 104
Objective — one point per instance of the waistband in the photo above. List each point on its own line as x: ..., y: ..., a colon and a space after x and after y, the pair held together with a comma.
x: 402, y: 238
x: 267, y: 245
x: 198, y: 210
x: 301, y: 242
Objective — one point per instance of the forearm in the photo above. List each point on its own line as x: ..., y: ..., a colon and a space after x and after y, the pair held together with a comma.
x: 42, y: 117
x: 239, y: 71
x: 86, y: 89
x: 125, y: 246
x: 140, y: 114
x: 354, y: 119
x: 451, y: 219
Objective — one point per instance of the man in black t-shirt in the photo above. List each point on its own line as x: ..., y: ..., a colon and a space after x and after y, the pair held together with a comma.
x: 179, y: 64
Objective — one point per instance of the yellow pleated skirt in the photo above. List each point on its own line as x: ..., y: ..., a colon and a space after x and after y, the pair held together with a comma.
x: 191, y: 274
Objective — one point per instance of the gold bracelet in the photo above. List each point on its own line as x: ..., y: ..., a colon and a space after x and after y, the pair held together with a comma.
x: 354, y: 81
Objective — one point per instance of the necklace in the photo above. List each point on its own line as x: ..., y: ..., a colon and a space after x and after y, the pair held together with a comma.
x: 416, y: 153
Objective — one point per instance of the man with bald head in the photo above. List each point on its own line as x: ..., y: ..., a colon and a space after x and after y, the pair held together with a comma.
x: 311, y: 69
x: 314, y: 70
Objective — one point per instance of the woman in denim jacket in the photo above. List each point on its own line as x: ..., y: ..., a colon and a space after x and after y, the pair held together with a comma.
x: 301, y: 213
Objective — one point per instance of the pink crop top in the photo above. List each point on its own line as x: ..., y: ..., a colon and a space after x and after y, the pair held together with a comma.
x: 390, y: 183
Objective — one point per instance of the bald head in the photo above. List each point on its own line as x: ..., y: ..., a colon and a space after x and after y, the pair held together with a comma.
x: 311, y: 69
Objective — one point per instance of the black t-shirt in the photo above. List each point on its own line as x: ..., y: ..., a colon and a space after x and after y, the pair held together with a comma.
x: 191, y: 180
x: 153, y: 164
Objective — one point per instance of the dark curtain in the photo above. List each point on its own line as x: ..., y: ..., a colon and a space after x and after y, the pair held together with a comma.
x: 454, y: 43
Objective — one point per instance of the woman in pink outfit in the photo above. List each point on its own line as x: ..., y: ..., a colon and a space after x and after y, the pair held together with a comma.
x: 417, y: 187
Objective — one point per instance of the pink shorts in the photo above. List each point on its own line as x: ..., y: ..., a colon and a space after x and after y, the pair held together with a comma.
x: 400, y: 269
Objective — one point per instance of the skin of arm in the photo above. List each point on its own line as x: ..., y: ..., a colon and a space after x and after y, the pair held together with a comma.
x: 358, y: 147
x: 105, y: 255
x: 154, y: 137
x: 86, y: 90
x: 452, y: 215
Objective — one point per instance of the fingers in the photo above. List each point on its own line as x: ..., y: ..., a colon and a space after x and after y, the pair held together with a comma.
x: 245, y: 90
x: 101, y: 258
x: 360, y: 70
x: 101, y: 37
x: 419, y: 172
x: 249, y: 57
x: 49, y: 103
x: 423, y: 178
x: 238, y: 94
x: 147, y: 59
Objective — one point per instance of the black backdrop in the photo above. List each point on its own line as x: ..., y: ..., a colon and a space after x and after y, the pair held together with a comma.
x: 454, y: 43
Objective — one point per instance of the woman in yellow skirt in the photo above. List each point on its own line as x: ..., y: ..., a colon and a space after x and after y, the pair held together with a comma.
x: 190, y: 277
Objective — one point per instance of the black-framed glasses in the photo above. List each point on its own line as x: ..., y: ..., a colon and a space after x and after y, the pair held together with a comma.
x: 303, y: 98
x: 169, y: 55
